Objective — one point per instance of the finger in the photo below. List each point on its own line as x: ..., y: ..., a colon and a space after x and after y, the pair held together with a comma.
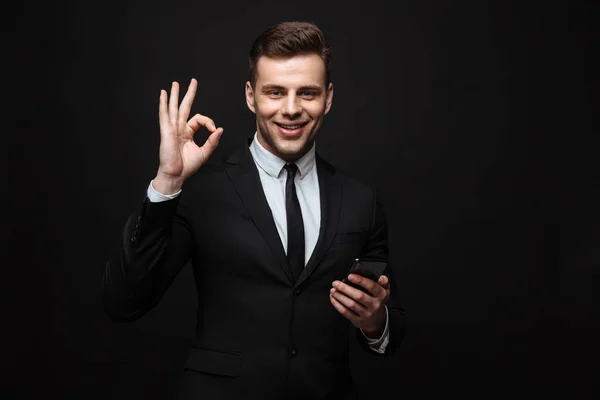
x: 188, y: 100
x: 212, y: 142
x: 163, y: 112
x: 173, y: 102
x: 353, y: 293
x: 373, y: 287
x: 199, y: 120
x: 343, y: 310
x: 348, y: 302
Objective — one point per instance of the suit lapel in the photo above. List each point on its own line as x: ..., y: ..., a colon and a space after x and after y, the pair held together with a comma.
x: 330, y: 191
x: 244, y: 176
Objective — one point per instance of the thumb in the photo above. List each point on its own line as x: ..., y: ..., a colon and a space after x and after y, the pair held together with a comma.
x: 212, y: 142
x: 384, y: 281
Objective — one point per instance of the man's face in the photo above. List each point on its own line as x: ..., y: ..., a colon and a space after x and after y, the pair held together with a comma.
x: 290, y: 101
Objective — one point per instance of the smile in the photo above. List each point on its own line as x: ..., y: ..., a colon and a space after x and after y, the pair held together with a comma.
x: 291, y: 127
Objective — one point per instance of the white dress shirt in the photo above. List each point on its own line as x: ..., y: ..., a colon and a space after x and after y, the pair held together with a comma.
x: 273, y: 177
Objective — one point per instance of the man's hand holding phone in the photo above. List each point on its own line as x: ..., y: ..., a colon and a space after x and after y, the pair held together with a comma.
x: 364, y: 308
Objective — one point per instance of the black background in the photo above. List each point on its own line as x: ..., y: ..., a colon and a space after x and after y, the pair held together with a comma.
x: 473, y: 119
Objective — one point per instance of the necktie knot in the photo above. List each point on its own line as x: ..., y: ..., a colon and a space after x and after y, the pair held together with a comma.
x: 291, y: 169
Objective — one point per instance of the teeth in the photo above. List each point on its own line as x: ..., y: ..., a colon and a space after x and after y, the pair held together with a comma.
x: 290, y: 127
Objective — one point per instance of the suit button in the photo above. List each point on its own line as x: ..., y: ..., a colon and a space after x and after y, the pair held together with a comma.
x: 296, y: 292
x: 132, y: 239
x: 293, y: 352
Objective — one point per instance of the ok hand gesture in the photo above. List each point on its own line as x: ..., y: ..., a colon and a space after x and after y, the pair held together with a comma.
x: 179, y: 155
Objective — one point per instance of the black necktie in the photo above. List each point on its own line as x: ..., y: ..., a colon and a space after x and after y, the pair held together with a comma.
x: 295, y: 226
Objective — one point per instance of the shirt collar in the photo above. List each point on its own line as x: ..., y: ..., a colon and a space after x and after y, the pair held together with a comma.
x: 273, y: 165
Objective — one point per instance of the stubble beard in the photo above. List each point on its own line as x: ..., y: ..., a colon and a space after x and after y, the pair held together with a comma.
x: 269, y: 137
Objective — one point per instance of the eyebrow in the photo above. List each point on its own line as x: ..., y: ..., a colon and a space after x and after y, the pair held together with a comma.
x: 268, y: 87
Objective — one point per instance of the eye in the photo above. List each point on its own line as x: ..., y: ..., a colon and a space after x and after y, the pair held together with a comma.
x: 307, y: 94
x: 275, y: 93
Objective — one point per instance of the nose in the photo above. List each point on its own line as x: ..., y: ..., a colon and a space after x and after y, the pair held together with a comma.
x: 291, y: 107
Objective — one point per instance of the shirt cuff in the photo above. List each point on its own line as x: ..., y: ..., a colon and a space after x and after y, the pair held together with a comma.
x: 379, y: 345
x: 156, y: 197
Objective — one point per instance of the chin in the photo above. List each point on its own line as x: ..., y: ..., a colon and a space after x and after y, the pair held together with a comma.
x: 293, y: 152
x: 288, y: 154
x: 288, y: 149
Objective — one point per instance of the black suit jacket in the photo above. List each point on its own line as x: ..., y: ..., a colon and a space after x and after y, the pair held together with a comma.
x: 257, y: 334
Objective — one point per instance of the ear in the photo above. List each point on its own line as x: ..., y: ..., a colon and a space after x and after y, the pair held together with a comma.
x: 250, y: 97
x: 329, y: 98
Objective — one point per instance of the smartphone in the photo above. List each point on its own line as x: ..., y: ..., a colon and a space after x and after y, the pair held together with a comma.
x: 367, y: 267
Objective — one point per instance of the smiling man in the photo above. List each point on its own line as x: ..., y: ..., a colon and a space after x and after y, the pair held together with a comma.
x: 271, y: 234
x: 290, y: 97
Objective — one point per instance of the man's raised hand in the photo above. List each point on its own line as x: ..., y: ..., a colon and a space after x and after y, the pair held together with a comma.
x: 180, y: 157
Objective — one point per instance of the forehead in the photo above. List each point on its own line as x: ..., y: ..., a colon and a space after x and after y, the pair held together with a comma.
x: 300, y: 70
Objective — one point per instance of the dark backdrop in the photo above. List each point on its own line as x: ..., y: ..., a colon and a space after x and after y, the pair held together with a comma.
x: 473, y: 119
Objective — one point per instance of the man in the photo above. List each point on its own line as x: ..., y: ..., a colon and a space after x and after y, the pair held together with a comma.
x: 270, y: 234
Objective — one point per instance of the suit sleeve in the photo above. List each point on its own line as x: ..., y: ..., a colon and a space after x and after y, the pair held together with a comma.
x: 377, y: 247
x: 154, y: 247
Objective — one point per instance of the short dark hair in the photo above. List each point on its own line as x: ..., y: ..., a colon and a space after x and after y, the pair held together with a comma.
x: 288, y: 39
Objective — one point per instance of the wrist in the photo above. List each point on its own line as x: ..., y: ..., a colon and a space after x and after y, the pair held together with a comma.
x: 374, y: 334
x: 378, y: 328
x: 167, y: 185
